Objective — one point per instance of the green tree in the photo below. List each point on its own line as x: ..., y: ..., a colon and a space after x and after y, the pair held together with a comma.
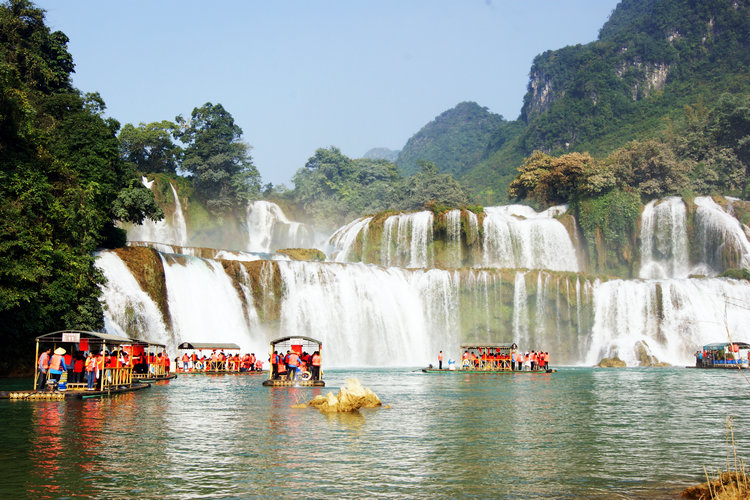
x: 149, y: 147
x: 62, y: 186
x: 650, y: 167
x: 220, y: 163
x: 429, y: 185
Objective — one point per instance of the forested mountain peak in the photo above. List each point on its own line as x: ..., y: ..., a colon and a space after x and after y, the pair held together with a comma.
x: 455, y: 140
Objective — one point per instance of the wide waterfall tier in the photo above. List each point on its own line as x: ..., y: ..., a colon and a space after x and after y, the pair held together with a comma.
x: 263, y: 229
x: 718, y: 240
x: 366, y: 315
x: 513, y: 236
x: 369, y: 315
x: 666, y: 320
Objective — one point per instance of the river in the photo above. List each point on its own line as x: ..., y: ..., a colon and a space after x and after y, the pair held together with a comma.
x: 580, y: 432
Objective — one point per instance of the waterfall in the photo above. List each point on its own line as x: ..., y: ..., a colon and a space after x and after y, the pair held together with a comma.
x: 343, y: 240
x: 667, y: 319
x: 268, y: 228
x: 170, y: 230
x: 129, y: 311
x: 721, y: 240
x: 664, y: 239
x: 520, y: 311
x: 411, y: 245
x: 515, y: 236
x: 453, y: 232
x: 178, y: 219
x: 205, y: 306
x: 366, y: 315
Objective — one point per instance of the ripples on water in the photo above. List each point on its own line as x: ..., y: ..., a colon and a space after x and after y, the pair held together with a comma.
x: 578, y: 433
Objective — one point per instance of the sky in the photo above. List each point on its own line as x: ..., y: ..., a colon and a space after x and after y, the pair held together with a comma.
x: 298, y: 75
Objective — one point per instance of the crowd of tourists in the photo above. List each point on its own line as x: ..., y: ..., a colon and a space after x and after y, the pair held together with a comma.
x: 293, y: 365
x: 499, y: 359
x: 89, y: 366
x: 218, y: 362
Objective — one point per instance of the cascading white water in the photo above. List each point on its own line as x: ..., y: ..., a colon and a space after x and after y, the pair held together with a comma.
x: 205, y: 307
x: 453, y: 230
x: 413, y: 235
x: 365, y: 315
x: 515, y: 236
x: 520, y: 310
x: 170, y: 230
x: 670, y: 318
x: 129, y: 311
x: 269, y: 229
x: 664, y: 239
x: 343, y: 240
x: 719, y: 236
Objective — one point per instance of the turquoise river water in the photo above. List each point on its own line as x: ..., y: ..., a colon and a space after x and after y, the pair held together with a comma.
x: 577, y: 433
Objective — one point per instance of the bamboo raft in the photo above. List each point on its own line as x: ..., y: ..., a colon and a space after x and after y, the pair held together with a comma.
x: 29, y: 395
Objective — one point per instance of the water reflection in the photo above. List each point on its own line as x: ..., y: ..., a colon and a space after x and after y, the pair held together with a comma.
x: 577, y: 433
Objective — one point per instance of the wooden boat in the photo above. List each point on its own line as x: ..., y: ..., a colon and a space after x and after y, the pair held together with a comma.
x: 485, y: 359
x: 208, y: 366
x: 306, y: 376
x: 723, y: 355
x: 150, y: 361
x: 115, y: 377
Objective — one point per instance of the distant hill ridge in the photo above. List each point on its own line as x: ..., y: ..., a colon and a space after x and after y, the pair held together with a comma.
x: 652, y: 58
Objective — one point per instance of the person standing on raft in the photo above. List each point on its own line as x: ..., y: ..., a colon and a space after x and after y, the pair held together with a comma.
x: 440, y: 360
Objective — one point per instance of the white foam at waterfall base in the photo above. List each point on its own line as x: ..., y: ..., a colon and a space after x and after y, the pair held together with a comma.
x: 664, y: 239
x: 516, y: 236
x: 694, y: 312
x: 366, y: 315
x: 128, y: 310
x: 205, y: 306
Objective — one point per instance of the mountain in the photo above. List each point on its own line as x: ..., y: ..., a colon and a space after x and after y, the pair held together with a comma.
x: 455, y: 140
x: 652, y: 58
x: 381, y: 154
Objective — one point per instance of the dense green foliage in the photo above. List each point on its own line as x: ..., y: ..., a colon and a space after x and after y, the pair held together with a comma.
x: 62, y: 186
x: 150, y: 148
x: 454, y: 141
x: 652, y: 58
x: 332, y: 188
x: 223, y: 172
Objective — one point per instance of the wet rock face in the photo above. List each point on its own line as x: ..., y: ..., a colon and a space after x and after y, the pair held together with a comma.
x: 350, y: 398
x: 612, y: 363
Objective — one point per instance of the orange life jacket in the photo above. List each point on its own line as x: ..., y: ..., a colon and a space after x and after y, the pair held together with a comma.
x: 316, y: 360
x: 55, y: 362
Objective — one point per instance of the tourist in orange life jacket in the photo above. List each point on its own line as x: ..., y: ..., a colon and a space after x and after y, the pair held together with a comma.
x: 440, y: 360
x: 315, y: 362
x: 252, y: 361
x: 185, y: 362
x: 57, y: 364
x: 258, y: 365
x: 78, y: 368
x: 90, y: 371
x: 42, y: 366
x: 275, y: 360
x: 280, y: 368
x: 293, y: 363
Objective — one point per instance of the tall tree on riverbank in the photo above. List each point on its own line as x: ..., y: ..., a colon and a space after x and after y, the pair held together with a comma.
x: 62, y: 186
x: 223, y: 172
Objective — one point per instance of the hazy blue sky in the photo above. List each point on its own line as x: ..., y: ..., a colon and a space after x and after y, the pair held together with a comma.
x: 299, y: 75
